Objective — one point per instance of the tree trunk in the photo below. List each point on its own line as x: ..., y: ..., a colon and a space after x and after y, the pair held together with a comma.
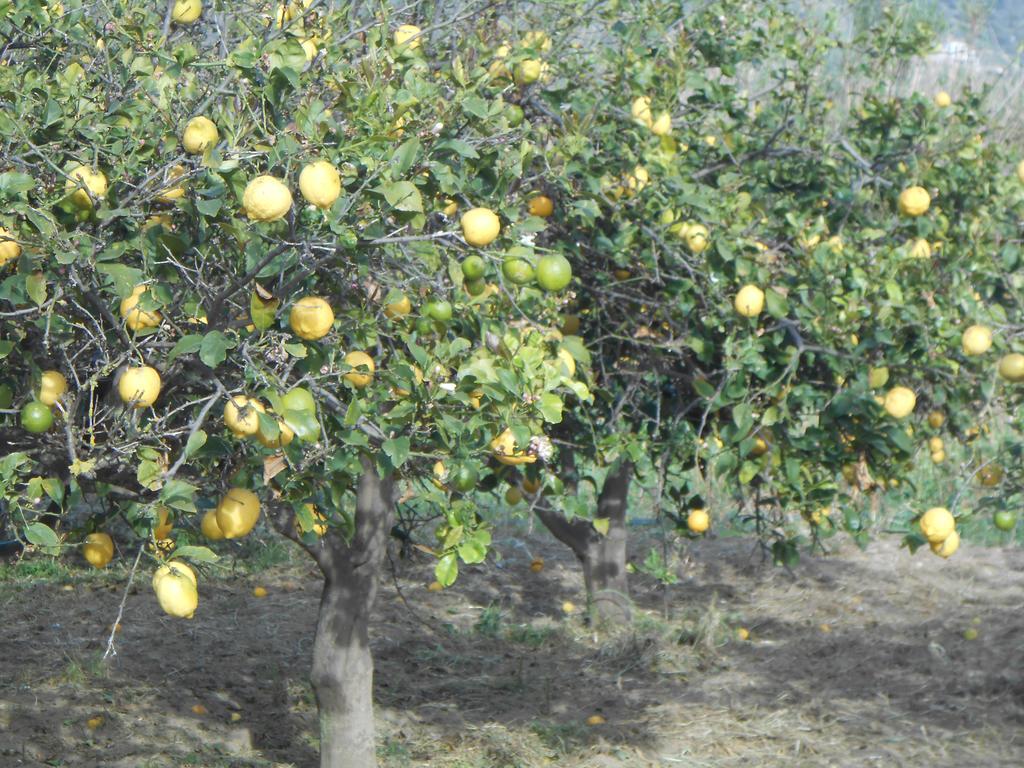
x: 342, y: 673
x: 603, y: 557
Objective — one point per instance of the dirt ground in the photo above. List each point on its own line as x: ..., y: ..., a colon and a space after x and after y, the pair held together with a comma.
x: 855, y: 659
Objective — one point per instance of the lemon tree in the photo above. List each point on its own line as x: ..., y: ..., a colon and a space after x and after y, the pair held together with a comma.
x: 232, y: 296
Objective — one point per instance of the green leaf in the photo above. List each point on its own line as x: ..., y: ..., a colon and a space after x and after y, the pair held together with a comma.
x: 447, y: 569
x: 404, y: 157
x: 472, y: 551
x: 186, y: 345
x: 148, y: 475
x: 35, y: 284
x: 11, y: 183
x: 5, y: 348
x: 777, y: 305
x: 214, y: 349
x: 195, y: 441
x: 43, y: 537
x: 196, y: 554
x: 459, y: 147
x: 303, y: 424
x: 601, y: 525
x: 403, y: 196
x: 179, y: 495
x: 396, y: 449
x: 262, y: 311
x: 550, y: 407
x: 475, y: 106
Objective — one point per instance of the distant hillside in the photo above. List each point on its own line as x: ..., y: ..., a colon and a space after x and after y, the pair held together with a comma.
x: 994, y: 24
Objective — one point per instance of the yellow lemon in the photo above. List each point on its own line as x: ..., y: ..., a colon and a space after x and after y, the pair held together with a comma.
x: 163, y: 526
x: 209, y: 526
x: 513, y: 496
x: 52, y: 385
x: 238, y: 512
x: 943, y: 100
x: 134, y: 318
x: 566, y: 358
x: 1011, y: 366
x: 937, y: 524
x: 914, y: 201
x: 176, y: 589
x: 86, y: 184
x: 186, y: 11
x: 938, y: 457
x: 947, y: 547
x: 241, y: 415
x: 920, y: 248
x: 320, y: 183
x: 504, y: 449
x: 200, y: 134
x: 596, y: 720
x: 311, y: 318
x: 173, y: 193
x: 359, y: 360
x: 663, y: 125
x: 878, y: 377
x: 749, y: 302
x: 139, y: 386
x: 935, y: 444
x: 408, y: 35
x: 899, y: 402
x: 480, y: 226
x: 541, y: 205
x: 398, y: 308
x: 10, y: 249
x: 937, y: 418
x: 259, y: 592
x: 266, y: 199
x: 976, y: 340
x: 1020, y: 171
x: 285, y: 435
x: 637, y: 180
x: 640, y: 109
x: 98, y: 549
x: 529, y: 71
x: 309, y: 46
x: 537, y: 565
x: 696, y: 238
x: 698, y: 521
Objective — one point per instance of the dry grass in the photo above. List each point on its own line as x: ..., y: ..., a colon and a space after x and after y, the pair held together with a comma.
x: 854, y: 660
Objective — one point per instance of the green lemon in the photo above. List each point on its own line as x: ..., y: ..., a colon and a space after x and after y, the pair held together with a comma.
x: 36, y: 417
x: 554, y: 272
x: 517, y: 271
x: 438, y: 310
x: 473, y: 268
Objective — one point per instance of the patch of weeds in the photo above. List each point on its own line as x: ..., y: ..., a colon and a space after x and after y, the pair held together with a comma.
x: 489, y: 623
x: 562, y: 738
x: 534, y: 637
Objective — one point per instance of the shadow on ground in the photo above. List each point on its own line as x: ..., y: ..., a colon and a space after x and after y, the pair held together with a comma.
x: 856, y: 659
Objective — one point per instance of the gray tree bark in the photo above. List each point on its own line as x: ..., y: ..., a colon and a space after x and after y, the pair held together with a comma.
x: 603, y: 558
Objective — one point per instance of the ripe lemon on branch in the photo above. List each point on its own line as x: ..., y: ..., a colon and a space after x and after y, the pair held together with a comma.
x: 84, y: 184
x: 937, y: 524
x: 139, y: 386
x: 914, y: 201
x: 52, y: 386
x: 10, y: 249
x: 320, y: 183
x: 137, y: 319
x: 480, y: 226
x: 749, y: 302
x: 241, y: 415
x: 200, y: 134
x: 266, y: 199
x: 311, y: 318
x: 899, y: 402
x: 98, y: 549
x: 176, y: 589
x: 237, y: 513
